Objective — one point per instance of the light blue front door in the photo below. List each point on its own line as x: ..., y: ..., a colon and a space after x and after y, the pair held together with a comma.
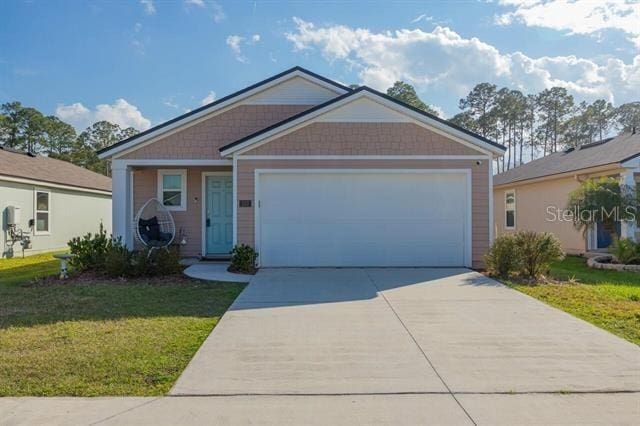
x: 219, y: 214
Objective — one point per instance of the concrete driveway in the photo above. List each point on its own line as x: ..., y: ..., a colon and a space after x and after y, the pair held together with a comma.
x: 454, y: 340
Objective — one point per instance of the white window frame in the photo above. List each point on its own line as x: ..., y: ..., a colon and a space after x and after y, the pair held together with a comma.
x: 506, y: 208
x: 36, y: 191
x: 183, y: 189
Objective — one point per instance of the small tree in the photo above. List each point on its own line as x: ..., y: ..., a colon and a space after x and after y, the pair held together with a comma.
x: 602, y: 200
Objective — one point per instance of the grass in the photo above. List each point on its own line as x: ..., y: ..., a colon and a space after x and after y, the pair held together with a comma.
x: 18, y: 269
x: 100, y: 337
x: 608, y: 299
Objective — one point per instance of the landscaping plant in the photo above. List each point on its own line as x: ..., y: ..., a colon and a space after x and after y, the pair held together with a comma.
x: 537, y: 251
x: 625, y: 250
x: 243, y: 259
x: 503, y: 259
x: 90, y: 251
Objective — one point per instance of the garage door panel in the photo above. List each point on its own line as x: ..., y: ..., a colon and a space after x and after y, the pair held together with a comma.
x: 362, y: 219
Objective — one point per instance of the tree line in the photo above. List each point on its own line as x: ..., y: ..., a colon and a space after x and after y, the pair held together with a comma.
x: 27, y: 129
x: 529, y: 125
x: 532, y: 125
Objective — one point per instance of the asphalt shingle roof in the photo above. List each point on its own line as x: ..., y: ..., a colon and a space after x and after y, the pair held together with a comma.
x: 40, y: 168
x: 608, y: 151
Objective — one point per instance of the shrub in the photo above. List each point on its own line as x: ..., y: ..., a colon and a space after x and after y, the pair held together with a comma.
x: 503, y: 258
x: 243, y: 259
x: 537, y: 251
x: 625, y: 250
x: 117, y: 261
x: 141, y: 265
x: 167, y: 262
x: 90, y: 250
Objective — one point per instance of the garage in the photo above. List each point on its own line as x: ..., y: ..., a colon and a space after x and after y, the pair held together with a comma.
x: 363, y: 217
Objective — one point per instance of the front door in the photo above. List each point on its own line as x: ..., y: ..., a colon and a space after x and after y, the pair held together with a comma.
x: 219, y: 214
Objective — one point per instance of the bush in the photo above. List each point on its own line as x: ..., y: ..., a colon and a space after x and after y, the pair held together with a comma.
x: 90, y: 251
x: 537, y: 251
x: 625, y: 251
x: 167, y: 262
x: 117, y: 261
x: 243, y: 259
x: 503, y: 258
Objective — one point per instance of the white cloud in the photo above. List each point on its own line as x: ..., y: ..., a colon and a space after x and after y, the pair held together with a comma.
x: 235, y: 43
x: 149, y: 7
x: 120, y: 112
x: 218, y: 12
x: 575, y: 17
x: 209, y: 98
x: 199, y: 3
x: 423, y: 17
x: 443, y: 60
x: 170, y: 103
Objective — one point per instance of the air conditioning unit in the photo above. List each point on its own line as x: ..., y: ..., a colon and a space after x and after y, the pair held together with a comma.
x: 13, y: 216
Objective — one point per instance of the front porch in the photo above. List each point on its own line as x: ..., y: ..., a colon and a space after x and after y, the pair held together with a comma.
x: 198, y: 193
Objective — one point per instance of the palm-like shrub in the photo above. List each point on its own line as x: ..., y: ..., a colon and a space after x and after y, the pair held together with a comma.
x: 503, y: 259
x: 625, y: 250
x: 536, y: 251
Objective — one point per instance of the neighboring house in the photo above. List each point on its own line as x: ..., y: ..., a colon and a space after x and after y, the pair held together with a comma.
x: 312, y: 173
x: 529, y: 197
x: 47, y: 202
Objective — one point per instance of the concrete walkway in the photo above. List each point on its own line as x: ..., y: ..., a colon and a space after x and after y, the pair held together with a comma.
x: 215, y: 271
x: 383, y: 346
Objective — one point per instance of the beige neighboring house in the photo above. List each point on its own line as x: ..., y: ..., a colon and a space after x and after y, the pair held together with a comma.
x: 312, y: 173
x: 528, y: 197
x: 46, y: 202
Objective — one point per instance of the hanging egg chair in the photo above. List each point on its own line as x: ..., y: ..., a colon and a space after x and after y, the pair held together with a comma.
x: 154, y: 226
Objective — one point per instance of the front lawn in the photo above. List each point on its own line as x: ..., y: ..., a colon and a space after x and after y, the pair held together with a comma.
x: 18, y: 269
x: 101, y: 337
x: 608, y: 299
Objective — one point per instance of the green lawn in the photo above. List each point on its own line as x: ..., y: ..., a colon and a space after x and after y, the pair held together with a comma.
x: 608, y: 299
x: 100, y: 337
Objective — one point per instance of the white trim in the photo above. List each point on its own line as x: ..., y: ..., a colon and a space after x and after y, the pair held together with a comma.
x: 419, y: 119
x: 172, y: 162
x: 507, y: 192
x: 469, y: 222
x: 52, y: 185
x: 213, y: 110
x: 235, y: 200
x: 131, y: 231
x: 203, y: 212
x: 183, y: 190
x: 361, y: 157
x: 491, y: 219
x: 36, y: 211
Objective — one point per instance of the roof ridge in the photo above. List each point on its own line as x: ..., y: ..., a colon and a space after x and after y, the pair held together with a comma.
x: 347, y: 95
x: 224, y: 99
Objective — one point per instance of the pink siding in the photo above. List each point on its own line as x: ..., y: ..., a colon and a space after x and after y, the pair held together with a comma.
x: 363, y: 139
x: 479, y: 188
x: 202, y: 140
x: 145, y: 186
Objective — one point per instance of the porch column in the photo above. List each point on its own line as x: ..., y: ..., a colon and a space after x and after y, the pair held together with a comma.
x: 121, y: 202
x: 628, y: 227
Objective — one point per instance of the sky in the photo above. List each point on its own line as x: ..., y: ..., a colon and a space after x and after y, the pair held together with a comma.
x: 141, y: 62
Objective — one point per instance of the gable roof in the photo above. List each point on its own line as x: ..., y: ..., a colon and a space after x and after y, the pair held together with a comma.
x: 32, y: 167
x: 616, y: 150
x: 331, y: 104
x: 221, y: 103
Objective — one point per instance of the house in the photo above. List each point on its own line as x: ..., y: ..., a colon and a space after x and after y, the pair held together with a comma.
x: 312, y: 173
x: 45, y: 202
x: 531, y: 196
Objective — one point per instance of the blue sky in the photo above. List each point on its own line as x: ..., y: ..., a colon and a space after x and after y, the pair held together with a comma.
x: 143, y: 62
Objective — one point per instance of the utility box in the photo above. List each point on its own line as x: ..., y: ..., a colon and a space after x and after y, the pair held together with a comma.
x: 13, y: 216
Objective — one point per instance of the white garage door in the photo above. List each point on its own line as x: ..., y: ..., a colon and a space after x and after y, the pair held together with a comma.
x: 363, y: 218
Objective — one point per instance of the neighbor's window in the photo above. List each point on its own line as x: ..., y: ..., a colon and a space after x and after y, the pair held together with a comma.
x: 510, y: 209
x: 172, y: 189
x: 42, y: 212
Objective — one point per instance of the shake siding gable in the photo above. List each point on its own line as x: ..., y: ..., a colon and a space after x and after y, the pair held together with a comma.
x: 203, y: 139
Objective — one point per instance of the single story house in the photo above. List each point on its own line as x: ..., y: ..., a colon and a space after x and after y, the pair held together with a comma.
x: 45, y: 202
x: 312, y: 173
x: 533, y: 196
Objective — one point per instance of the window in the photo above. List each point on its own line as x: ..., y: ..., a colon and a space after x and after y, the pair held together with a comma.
x: 510, y: 209
x: 42, y: 212
x: 172, y: 189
